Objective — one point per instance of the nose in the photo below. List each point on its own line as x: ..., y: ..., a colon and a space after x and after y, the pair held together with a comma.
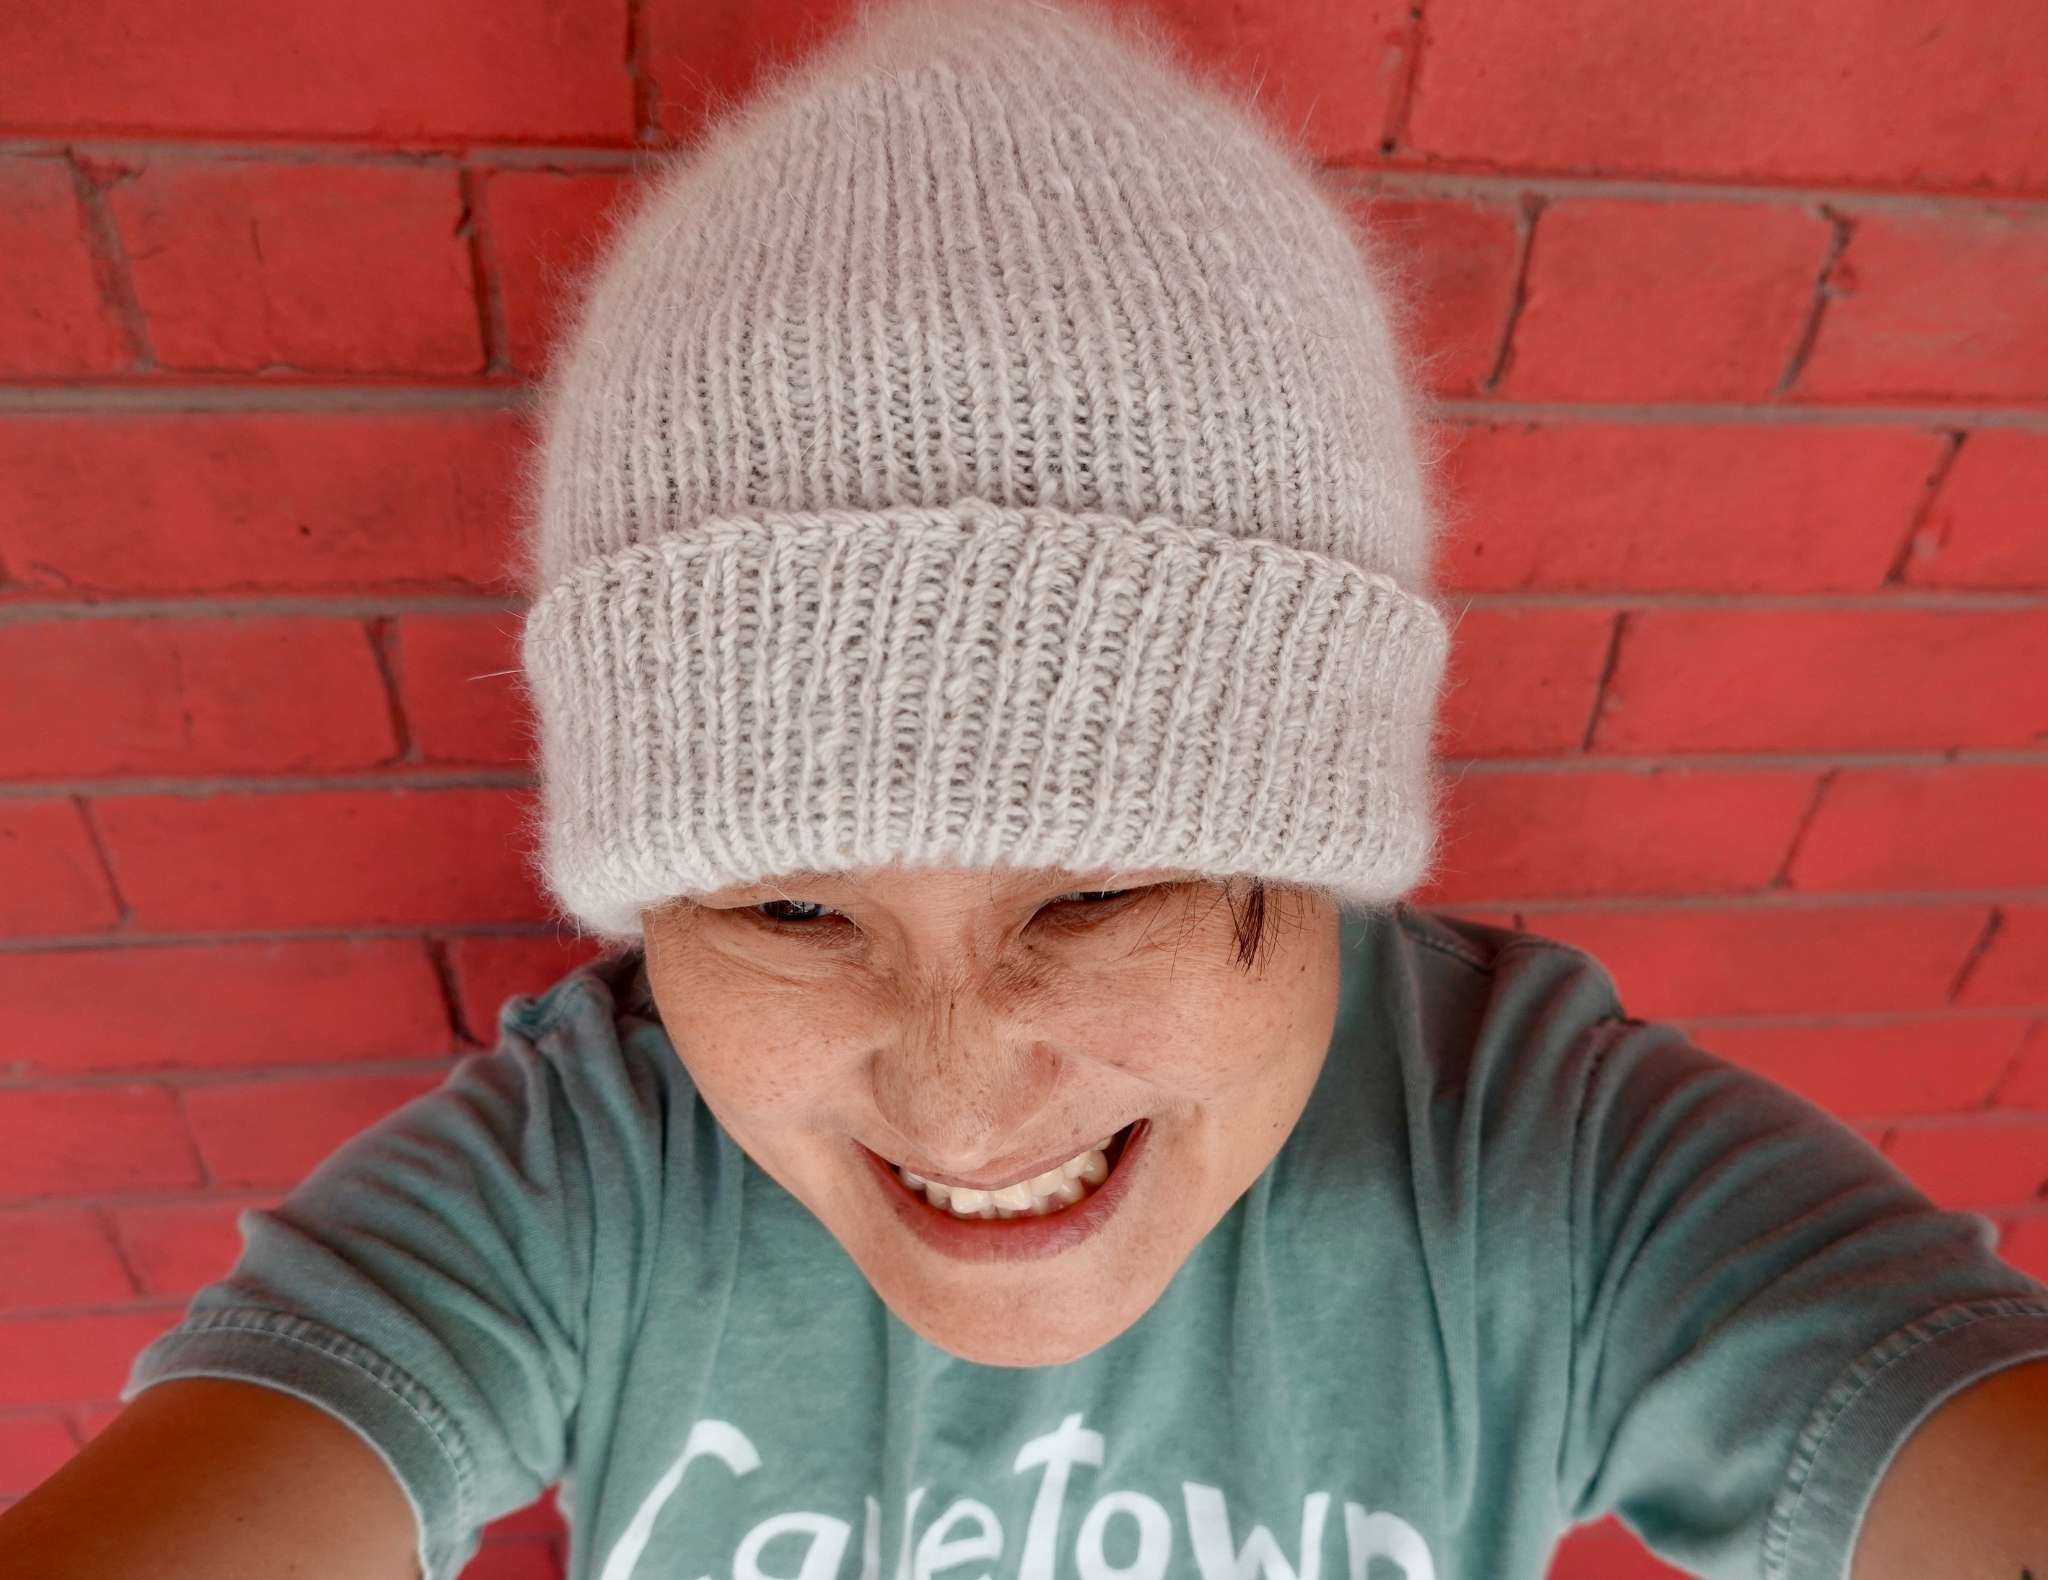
x: 961, y: 1085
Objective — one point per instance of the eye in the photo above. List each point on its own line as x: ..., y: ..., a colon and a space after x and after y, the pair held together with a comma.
x: 1092, y: 896
x: 807, y: 915
x: 1084, y: 908
x: 767, y: 911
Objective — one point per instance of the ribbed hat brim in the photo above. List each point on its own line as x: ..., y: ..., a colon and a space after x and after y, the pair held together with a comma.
x: 975, y: 685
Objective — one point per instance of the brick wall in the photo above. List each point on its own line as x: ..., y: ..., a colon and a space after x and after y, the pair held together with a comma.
x: 1738, y: 320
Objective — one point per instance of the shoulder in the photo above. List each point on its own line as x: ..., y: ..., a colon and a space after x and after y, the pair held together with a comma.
x: 595, y: 1027
x: 597, y: 995
x: 1484, y: 949
x: 1468, y: 987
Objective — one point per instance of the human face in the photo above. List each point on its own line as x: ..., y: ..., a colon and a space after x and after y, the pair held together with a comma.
x: 979, y: 1027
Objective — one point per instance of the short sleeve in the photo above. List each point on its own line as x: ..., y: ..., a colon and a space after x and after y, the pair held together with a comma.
x: 1764, y: 1308
x: 426, y: 1284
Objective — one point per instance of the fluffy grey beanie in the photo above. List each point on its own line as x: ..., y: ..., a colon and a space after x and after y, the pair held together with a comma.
x: 986, y: 446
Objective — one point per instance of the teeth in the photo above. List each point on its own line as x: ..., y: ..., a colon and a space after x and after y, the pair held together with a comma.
x: 1045, y: 1193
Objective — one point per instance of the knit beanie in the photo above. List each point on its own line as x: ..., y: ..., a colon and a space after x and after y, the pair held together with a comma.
x: 986, y: 446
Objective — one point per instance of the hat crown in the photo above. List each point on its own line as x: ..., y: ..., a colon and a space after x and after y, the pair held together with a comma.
x: 988, y: 249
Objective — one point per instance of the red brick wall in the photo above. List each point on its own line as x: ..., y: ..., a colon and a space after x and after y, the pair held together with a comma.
x: 1738, y: 317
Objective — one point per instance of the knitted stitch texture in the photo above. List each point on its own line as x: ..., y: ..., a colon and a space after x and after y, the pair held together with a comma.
x: 986, y: 446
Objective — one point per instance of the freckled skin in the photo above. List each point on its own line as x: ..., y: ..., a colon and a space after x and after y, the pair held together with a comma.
x: 966, y: 1020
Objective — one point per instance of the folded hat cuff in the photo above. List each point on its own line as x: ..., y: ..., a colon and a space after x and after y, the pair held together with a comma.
x: 975, y: 685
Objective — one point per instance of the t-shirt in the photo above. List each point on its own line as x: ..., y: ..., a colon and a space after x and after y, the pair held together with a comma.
x: 1524, y: 1261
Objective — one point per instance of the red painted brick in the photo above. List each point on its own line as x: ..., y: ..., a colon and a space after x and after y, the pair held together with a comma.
x: 51, y: 317
x: 1522, y: 681
x: 1990, y: 1163
x: 1984, y: 529
x: 258, y: 502
x: 2025, y: 1245
x: 325, y: 858
x: 94, y: 698
x: 1454, y: 264
x: 522, y: 1560
x: 385, y: 70
x: 33, y: 1448
x: 488, y: 971
x: 540, y: 1520
x: 1875, y: 1070
x: 1772, y: 959
x: 1630, y: 300
x: 175, y: 1247
x: 697, y: 65
x: 2013, y: 971
x: 313, y: 268
x: 65, y: 1360
x: 546, y: 230
x: 1660, y: 507
x: 1956, y: 826
x: 51, y: 880
x: 1736, y: 680
x: 1839, y: 90
x: 223, y: 1006
x: 1324, y: 68
x: 275, y: 1132
x: 465, y: 699
x: 1607, y: 1550
x: 58, y: 1256
x: 91, y: 1420
x: 1590, y: 833
x: 1949, y: 304
x: 70, y: 1140
x: 2025, y: 1086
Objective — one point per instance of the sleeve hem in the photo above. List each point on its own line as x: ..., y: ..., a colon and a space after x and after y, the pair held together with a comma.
x: 383, y: 1405
x: 1869, y: 1412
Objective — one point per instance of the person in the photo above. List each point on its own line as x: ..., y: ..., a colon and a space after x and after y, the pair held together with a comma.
x: 986, y: 662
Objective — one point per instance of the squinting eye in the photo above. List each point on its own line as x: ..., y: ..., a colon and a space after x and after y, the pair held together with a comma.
x: 814, y: 912
x: 765, y: 910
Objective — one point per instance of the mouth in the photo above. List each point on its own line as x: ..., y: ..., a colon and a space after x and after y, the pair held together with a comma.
x: 1049, y: 1213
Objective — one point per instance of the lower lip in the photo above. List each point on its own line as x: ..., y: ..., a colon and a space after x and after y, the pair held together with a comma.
x: 1010, y: 1239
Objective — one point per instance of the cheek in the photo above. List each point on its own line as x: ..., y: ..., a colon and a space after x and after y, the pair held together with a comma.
x: 1182, y: 1043
x: 761, y: 1069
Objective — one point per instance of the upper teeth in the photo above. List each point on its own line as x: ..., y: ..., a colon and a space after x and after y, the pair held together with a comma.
x: 1041, y: 1194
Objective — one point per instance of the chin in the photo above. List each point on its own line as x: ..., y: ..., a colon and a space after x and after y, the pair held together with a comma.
x: 1057, y: 1321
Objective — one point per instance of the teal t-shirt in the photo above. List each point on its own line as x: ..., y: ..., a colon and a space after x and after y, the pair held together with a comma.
x: 1524, y: 1261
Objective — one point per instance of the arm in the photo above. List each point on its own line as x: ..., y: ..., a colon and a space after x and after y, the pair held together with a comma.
x: 1765, y: 1309
x: 428, y: 1283
x: 1963, y: 1497
x: 205, y: 1476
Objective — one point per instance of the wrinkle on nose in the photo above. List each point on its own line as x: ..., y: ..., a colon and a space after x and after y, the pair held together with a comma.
x: 955, y: 1087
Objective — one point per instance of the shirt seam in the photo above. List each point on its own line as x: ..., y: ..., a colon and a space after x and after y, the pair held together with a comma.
x: 340, y: 1350
x: 1593, y: 1065
x: 1445, y: 947
x: 1413, y: 926
x: 1778, y: 1529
